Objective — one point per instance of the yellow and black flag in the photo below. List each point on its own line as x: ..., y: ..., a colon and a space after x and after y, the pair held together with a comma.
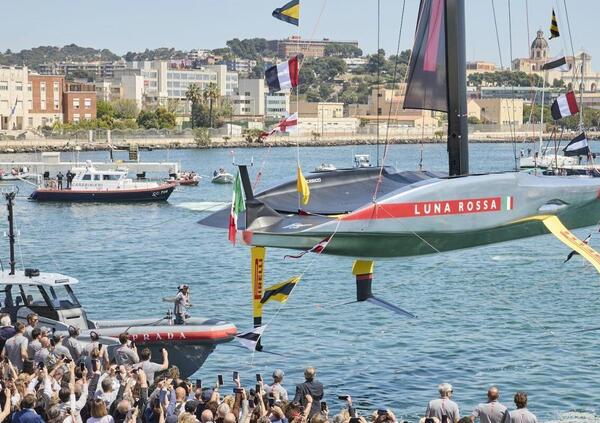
x: 281, y: 291
x: 289, y: 13
x: 554, y: 32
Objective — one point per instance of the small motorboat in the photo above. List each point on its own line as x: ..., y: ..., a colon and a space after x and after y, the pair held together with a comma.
x: 222, y: 177
x: 16, y: 174
x: 51, y: 296
x: 188, y: 179
x: 109, y: 186
x: 362, y: 161
x: 325, y: 167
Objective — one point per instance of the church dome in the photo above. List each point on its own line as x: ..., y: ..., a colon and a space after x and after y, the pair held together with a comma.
x: 539, y: 42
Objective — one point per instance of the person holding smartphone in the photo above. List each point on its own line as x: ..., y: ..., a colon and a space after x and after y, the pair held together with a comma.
x: 150, y: 368
x: 125, y: 353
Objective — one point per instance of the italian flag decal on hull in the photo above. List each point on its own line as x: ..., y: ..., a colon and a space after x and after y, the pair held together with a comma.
x: 508, y: 203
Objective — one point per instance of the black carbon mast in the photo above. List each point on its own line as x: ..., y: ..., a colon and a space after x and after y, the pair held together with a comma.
x: 458, y: 136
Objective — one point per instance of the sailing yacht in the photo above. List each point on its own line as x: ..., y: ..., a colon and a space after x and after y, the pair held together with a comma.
x: 381, y: 212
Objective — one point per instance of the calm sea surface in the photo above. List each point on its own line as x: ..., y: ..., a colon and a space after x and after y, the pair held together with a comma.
x: 502, y: 314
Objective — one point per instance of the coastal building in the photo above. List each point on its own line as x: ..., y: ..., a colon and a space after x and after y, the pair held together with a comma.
x: 277, y: 105
x: 241, y: 65
x: 14, y: 98
x: 250, y: 98
x: 355, y: 63
x: 481, y: 66
x: 387, y: 104
x: 320, y: 110
x: 107, y: 90
x: 497, y: 111
x: 328, y: 126
x: 155, y: 82
x: 295, y: 45
x: 79, y: 102
x: 539, y: 53
x: 46, y: 105
x: 97, y: 69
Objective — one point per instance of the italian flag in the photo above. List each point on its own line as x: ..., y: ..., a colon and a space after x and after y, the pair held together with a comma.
x: 508, y: 203
x: 237, y: 206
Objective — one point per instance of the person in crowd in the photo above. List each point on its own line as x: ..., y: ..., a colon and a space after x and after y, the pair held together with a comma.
x: 182, y: 303
x: 27, y: 414
x: 93, y: 344
x: 126, y: 353
x: 492, y: 411
x: 149, y: 367
x: 7, y: 330
x: 35, y: 343
x: 59, y: 179
x: 276, y: 389
x: 15, y: 348
x: 522, y: 414
x: 72, y: 343
x: 99, y: 413
x: 443, y: 408
x: 32, y: 322
x: 60, y: 351
x: 310, y: 388
x: 42, y: 354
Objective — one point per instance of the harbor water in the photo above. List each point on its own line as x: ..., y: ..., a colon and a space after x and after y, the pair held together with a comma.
x: 505, y: 314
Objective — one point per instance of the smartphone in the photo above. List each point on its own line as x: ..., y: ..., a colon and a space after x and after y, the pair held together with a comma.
x: 256, y: 400
x: 236, y: 375
x: 6, y: 360
x: 94, y: 365
x: 343, y: 397
x: 381, y: 412
x: 357, y: 420
x: 323, y: 406
x: 132, y: 344
x: 40, y: 365
x: 220, y: 380
x: 258, y: 377
x: 257, y: 388
x: 198, y: 384
x: 82, y: 366
x: 271, y: 401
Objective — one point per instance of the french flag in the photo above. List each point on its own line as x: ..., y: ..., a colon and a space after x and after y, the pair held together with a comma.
x: 564, y: 106
x: 283, y: 76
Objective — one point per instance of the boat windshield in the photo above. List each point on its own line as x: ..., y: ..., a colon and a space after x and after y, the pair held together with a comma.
x: 61, y: 297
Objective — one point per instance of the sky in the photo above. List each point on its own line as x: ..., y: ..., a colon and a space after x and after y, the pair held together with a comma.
x: 134, y: 25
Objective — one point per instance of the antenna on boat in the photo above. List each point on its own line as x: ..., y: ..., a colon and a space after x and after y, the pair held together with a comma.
x: 10, y: 194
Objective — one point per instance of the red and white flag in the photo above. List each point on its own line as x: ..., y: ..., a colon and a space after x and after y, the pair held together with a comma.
x: 564, y: 106
x: 282, y: 126
x: 316, y: 249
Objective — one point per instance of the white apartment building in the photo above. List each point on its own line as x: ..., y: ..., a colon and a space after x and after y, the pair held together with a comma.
x: 15, y: 98
x: 277, y: 105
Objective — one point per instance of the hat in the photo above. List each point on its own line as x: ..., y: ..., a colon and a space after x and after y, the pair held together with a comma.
x: 278, y: 373
x: 207, y: 395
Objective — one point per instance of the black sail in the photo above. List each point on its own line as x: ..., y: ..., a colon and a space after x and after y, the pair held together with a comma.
x: 427, y: 78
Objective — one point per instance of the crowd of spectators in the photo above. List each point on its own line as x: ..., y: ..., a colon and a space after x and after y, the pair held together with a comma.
x: 48, y: 377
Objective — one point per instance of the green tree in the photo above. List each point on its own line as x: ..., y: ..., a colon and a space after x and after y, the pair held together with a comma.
x: 558, y: 83
x: 211, y: 94
x: 125, y: 109
x: 194, y: 96
x: 159, y: 118
x: 105, y: 110
x: 376, y: 61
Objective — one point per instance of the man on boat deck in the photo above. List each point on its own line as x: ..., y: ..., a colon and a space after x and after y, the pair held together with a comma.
x: 182, y: 303
x: 59, y: 178
x: 70, y: 176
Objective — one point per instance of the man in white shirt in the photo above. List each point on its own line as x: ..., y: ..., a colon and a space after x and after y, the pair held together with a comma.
x: 278, y: 391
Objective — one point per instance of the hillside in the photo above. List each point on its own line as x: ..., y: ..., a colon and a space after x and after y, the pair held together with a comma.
x: 44, y: 54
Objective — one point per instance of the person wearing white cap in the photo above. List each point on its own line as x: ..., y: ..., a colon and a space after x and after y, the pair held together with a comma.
x: 276, y: 388
x: 182, y: 303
